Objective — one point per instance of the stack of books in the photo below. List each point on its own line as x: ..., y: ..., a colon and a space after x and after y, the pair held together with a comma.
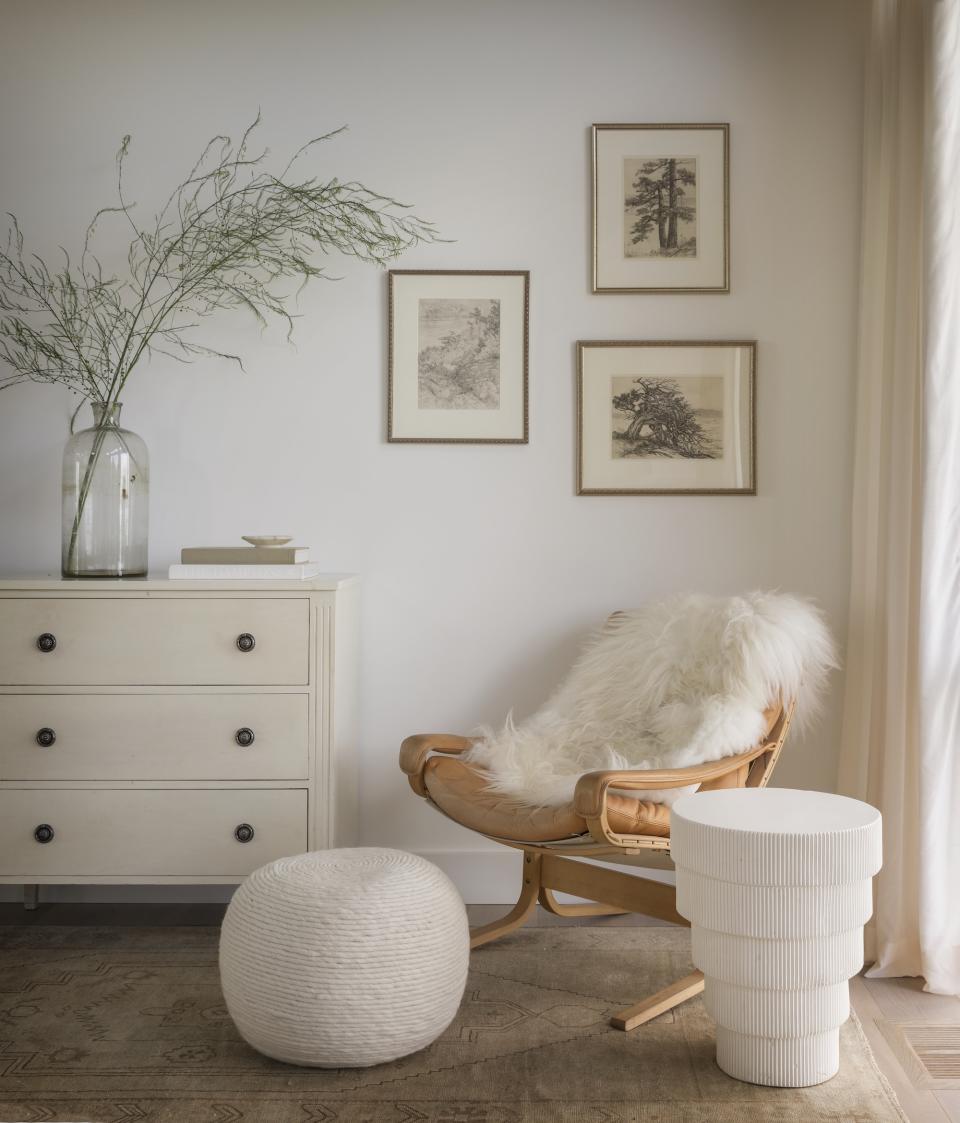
x: 244, y: 563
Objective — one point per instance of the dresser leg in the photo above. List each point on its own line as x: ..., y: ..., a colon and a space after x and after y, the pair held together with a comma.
x: 31, y: 897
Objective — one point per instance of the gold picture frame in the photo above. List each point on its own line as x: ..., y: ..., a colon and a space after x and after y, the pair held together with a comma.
x: 661, y: 208
x: 666, y: 417
x: 458, y: 356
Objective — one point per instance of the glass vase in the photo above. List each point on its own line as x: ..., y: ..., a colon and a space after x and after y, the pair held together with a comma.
x: 105, y: 499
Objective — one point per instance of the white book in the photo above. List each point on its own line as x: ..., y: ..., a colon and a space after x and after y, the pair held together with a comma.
x: 301, y: 572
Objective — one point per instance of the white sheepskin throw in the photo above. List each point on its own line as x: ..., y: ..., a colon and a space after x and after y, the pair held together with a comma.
x: 675, y: 683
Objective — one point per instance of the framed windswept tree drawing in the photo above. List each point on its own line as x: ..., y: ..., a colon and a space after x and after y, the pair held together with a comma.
x: 666, y: 417
x: 661, y: 208
x: 457, y: 356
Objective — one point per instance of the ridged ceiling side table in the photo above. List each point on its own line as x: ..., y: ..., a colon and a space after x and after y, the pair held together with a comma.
x: 777, y: 887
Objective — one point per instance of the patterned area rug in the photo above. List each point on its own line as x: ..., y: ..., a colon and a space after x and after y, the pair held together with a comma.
x: 119, y: 1024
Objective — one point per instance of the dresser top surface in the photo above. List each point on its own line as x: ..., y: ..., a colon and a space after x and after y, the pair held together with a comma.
x: 48, y: 583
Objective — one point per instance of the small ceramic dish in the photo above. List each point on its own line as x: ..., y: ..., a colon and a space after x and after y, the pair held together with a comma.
x: 267, y: 539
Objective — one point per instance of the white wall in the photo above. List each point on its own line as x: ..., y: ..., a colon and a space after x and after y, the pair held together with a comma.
x: 482, y: 568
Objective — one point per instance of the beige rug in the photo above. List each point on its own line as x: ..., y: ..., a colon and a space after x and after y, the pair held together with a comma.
x: 128, y: 1024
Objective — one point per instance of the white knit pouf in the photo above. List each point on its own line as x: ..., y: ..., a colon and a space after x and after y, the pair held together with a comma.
x: 344, y: 958
x: 776, y: 886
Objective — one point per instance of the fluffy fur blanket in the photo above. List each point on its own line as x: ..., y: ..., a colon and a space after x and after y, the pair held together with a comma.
x: 674, y: 683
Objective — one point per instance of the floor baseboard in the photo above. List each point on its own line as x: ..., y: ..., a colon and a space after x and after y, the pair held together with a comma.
x: 481, y: 876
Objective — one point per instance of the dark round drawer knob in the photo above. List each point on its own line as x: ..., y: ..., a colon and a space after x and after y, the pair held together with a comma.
x: 44, y: 833
x: 46, y: 737
x: 246, y: 642
x: 244, y: 833
x: 47, y: 642
x: 245, y: 737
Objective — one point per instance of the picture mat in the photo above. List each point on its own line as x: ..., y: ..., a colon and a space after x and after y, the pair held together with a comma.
x: 599, y: 469
x: 612, y: 269
x: 409, y: 420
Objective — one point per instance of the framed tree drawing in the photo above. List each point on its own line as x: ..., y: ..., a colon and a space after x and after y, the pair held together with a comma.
x: 666, y: 417
x: 457, y: 356
x: 661, y: 209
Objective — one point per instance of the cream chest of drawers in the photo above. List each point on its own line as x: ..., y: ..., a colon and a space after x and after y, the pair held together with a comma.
x: 174, y: 731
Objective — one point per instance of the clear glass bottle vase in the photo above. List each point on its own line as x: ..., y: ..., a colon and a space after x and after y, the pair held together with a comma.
x: 105, y: 499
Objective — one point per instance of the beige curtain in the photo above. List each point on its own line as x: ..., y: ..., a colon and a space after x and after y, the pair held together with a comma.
x: 901, y: 736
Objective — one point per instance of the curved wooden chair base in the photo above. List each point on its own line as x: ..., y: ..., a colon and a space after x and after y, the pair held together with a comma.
x: 688, y: 987
x: 552, y: 905
x: 546, y: 873
x: 518, y: 915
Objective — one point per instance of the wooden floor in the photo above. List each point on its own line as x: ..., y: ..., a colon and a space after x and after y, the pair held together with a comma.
x: 915, y: 1036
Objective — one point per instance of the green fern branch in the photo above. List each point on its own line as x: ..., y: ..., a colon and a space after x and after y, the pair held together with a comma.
x: 230, y: 235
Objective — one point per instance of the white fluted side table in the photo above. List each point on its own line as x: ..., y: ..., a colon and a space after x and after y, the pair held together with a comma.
x: 777, y: 887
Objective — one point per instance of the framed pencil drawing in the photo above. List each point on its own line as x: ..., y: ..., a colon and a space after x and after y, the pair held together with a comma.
x: 457, y: 356
x: 661, y: 208
x: 666, y: 417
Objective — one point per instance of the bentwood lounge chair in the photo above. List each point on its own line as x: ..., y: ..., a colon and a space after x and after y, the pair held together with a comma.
x: 602, y: 822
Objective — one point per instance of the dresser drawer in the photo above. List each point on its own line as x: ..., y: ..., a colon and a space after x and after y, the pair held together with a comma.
x: 154, y: 736
x: 148, y: 833
x: 154, y: 641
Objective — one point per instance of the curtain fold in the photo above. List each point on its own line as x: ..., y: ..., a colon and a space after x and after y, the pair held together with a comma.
x: 901, y: 730
x: 939, y: 874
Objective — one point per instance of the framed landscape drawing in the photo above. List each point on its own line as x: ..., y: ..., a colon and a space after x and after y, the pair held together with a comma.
x: 457, y: 356
x: 661, y: 208
x: 665, y: 417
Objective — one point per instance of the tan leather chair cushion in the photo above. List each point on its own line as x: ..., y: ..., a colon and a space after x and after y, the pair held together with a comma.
x: 462, y: 793
x: 628, y: 815
x: 735, y: 779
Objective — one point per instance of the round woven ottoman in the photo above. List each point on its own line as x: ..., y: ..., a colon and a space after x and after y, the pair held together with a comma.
x: 344, y: 958
x: 777, y: 887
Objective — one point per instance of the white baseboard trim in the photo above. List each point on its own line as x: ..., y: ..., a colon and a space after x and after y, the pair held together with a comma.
x: 492, y: 877
x: 484, y: 877
x: 126, y: 894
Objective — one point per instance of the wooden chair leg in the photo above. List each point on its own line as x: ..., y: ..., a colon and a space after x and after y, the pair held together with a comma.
x: 518, y: 915
x: 551, y: 904
x: 687, y: 987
